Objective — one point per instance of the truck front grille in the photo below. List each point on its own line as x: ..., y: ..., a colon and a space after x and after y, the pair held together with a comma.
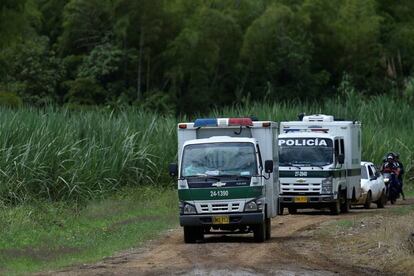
x: 300, y: 188
x: 219, y: 207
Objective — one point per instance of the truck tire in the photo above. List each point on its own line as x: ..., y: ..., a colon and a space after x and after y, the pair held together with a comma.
x: 259, y: 232
x: 336, y: 207
x: 346, y: 204
x: 292, y: 210
x: 268, y: 222
x: 368, y: 200
x: 382, y: 200
x: 192, y: 234
x: 280, y: 210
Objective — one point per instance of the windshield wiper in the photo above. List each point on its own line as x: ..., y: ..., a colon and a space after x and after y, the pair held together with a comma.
x: 290, y: 164
x: 319, y: 166
x: 314, y: 165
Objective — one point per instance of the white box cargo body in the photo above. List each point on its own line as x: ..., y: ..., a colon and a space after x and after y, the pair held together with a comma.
x: 319, y: 163
x: 222, y: 183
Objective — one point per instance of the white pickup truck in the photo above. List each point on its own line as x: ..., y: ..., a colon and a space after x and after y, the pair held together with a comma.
x: 373, y: 187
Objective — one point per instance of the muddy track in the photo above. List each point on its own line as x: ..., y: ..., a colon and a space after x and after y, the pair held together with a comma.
x: 292, y: 250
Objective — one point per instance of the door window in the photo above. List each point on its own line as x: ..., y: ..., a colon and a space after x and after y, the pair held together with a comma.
x: 370, y: 172
x: 260, y: 157
x: 364, y: 172
x: 336, y: 149
x: 342, y: 146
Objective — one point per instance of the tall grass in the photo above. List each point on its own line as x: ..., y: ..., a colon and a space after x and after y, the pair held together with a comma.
x: 61, y: 155
x: 56, y: 154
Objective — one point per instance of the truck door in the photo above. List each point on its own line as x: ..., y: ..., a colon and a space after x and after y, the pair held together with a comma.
x: 268, y: 187
x: 347, y: 183
x: 339, y: 149
x: 374, y: 180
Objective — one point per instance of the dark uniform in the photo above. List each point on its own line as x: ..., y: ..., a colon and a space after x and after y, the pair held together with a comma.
x: 392, y: 163
x: 401, y: 174
x: 390, y: 166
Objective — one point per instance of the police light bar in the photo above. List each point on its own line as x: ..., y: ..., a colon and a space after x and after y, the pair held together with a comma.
x: 320, y: 130
x: 240, y: 122
x: 205, y: 122
x: 214, y: 122
x: 317, y: 128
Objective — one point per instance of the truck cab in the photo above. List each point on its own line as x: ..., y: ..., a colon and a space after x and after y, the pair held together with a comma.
x: 227, y: 177
x: 319, y: 163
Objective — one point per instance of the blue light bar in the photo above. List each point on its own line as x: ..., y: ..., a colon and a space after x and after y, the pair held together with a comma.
x: 205, y: 122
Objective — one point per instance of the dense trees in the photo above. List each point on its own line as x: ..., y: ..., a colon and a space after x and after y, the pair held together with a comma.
x: 277, y: 54
x: 187, y: 56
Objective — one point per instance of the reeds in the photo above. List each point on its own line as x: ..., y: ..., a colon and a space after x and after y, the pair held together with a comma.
x: 56, y: 154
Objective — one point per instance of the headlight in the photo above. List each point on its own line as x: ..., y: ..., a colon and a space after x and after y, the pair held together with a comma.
x: 187, y: 209
x: 254, y: 205
x: 386, y: 180
x: 327, y: 185
x: 250, y: 206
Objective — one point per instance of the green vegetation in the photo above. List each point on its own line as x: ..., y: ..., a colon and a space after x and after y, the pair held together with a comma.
x: 58, y: 154
x: 345, y: 223
x: 179, y: 56
x: 403, y: 210
x: 78, y: 155
x: 46, y: 236
x: 409, y: 190
x: 91, y: 91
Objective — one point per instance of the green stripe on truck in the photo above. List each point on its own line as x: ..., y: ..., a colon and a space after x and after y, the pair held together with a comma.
x: 221, y: 193
x: 320, y: 174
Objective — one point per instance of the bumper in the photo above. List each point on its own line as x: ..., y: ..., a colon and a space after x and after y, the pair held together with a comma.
x: 312, y: 201
x: 234, y: 219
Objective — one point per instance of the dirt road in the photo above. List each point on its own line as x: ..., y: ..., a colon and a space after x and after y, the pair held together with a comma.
x: 292, y: 250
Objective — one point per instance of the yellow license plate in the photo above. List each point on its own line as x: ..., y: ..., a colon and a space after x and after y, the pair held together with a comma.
x: 301, y: 199
x: 221, y: 220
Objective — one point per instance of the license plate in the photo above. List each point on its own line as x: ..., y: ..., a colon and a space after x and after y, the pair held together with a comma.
x: 301, y: 199
x: 221, y: 220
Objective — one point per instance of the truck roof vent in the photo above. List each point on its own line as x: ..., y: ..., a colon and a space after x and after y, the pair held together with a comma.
x: 318, y: 118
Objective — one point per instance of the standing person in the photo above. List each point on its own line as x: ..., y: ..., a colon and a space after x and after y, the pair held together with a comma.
x: 391, y: 167
x: 401, y: 174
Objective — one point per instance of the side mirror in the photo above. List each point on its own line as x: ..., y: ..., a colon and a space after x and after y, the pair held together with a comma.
x: 173, y: 170
x: 341, y: 158
x: 269, y: 166
x: 373, y: 178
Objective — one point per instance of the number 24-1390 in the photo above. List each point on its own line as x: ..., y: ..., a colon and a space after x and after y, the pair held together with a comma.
x: 219, y: 193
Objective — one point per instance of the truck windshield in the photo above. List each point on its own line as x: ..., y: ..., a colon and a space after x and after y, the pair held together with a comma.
x: 219, y: 159
x: 306, y: 151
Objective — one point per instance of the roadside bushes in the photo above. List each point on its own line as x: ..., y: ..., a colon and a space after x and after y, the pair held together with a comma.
x: 10, y: 100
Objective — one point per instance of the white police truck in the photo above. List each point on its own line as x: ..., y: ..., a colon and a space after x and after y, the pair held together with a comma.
x: 227, y: 177
x: 320, y: 163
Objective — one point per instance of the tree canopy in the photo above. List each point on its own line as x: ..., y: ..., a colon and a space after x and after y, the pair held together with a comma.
x: 189, y: 56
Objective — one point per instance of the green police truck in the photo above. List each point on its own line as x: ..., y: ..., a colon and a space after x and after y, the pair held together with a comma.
x: 227, y: 175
